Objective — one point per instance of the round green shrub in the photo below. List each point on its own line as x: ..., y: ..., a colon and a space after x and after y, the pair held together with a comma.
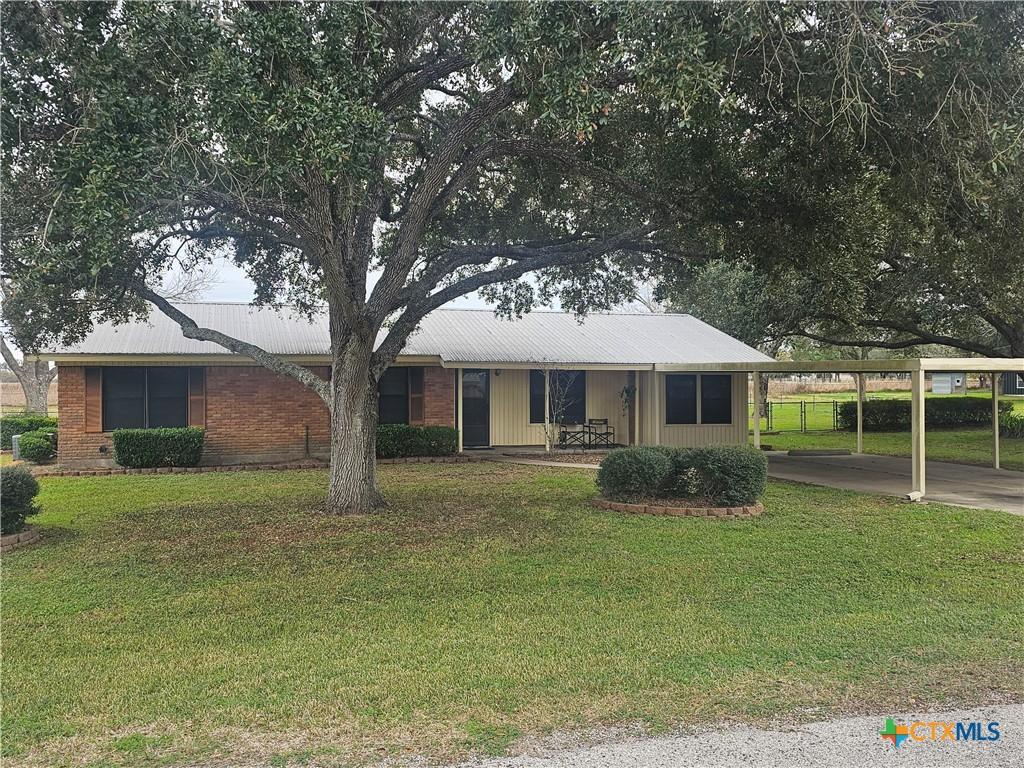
x: 632, y: 472
x: 38, y: 445
x: 729, y: 475
x: 18, y: 490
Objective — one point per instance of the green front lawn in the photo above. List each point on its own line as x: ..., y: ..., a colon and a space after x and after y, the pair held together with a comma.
x: 215, y: 617
x: 964, y: 446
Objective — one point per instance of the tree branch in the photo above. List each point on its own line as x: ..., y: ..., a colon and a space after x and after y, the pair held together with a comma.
x: 419, y: 301
x: 191, y: 330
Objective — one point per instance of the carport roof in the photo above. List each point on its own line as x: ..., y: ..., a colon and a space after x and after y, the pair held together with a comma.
x: 927, y: 364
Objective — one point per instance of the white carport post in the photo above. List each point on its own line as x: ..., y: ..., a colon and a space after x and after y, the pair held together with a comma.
x: 458, y: 403
x: 756, y: 378
x: 995, y: 420
x: 917, y: 456
x: 860, y: 413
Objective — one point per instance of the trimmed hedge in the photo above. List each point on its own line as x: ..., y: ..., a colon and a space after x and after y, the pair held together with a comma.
x: 18, y: 489
x: 894, y: 415
x: 39, y: 445
x: 631, y: 472
x: 397, y: 441
x: 1011, y: 424
x: 20, y: 423
x: 728, y: 475
x: 163, y: 447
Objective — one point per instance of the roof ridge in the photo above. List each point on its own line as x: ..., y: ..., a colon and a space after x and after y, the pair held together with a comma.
x: 489, y: 310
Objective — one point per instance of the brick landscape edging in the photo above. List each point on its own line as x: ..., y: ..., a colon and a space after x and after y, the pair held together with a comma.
x: 45, y: 472
x: 10, y: 541
x: 751, y: 510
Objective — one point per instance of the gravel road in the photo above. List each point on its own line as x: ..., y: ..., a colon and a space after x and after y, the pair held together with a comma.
x: 848, y: 742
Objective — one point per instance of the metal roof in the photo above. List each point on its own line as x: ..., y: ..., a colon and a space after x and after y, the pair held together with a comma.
x: 454, y: 336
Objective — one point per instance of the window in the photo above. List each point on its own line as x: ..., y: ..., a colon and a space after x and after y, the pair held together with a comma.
x: 681, y: 398
x: 124, y: 398
x: 716, y: 399
x: 393, y: 400
x: 136, y: 397
x: 167, y: 396
x: 568, y: 392
x: 536, y: 397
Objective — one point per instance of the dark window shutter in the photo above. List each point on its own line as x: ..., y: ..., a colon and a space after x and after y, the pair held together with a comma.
x: 197, y: 397
x: 93, y: 399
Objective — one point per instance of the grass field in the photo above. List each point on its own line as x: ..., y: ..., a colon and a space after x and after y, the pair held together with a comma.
x: 786, y: 410
x: 962, y: 446
x: 217, y: 618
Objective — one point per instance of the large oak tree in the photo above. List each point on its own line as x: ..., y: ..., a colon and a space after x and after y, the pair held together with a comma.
x: 379, y: 160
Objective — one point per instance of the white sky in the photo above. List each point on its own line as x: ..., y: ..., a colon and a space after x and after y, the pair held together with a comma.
x: 233, y: 284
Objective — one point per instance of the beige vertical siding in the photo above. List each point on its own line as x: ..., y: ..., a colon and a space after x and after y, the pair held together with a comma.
x: 510, y: 405
x: 691, y: 435
x: 510, y: 409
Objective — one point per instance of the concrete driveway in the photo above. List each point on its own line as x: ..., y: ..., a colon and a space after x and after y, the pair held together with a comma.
x: 967, y: 486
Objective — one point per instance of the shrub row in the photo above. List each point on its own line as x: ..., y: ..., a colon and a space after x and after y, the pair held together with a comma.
x: 162, y: 447
x: 894, y: 415
x: 396, y: 441
x: 1011, y: 424
x: 18, y: 489
x: 20, y: 423
x: 39, y: 445
x: 729, y: 475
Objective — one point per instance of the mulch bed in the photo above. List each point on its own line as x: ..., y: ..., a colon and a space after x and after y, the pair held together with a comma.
x: 565, y: 458
x: 58, y: 471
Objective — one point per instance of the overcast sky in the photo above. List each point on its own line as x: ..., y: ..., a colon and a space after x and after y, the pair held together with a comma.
x: 232, y: 284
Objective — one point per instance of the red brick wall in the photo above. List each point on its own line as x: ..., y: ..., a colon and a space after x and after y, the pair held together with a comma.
x: 75, y: 446
x: 438, y: 396
x: 252, y: 415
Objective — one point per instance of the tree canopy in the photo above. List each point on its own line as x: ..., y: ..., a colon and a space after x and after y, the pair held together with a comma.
x: 378, y: 160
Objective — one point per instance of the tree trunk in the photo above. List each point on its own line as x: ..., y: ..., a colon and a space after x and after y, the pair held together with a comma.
x: 353, y: 482
x: 35, y: 378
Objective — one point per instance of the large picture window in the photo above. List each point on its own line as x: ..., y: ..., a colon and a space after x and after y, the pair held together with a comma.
x: 135, y: 397
x: 568, y: 397
x: 682, y: 392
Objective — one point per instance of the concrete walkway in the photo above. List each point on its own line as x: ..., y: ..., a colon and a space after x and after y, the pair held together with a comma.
x: 850, y: 742
x: 960, y: 484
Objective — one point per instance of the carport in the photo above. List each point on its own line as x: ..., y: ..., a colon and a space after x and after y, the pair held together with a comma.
x: 916, y: 367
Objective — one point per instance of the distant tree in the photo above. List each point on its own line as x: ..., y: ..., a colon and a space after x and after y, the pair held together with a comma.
x: 33, y: 375
x: 444, y: 148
